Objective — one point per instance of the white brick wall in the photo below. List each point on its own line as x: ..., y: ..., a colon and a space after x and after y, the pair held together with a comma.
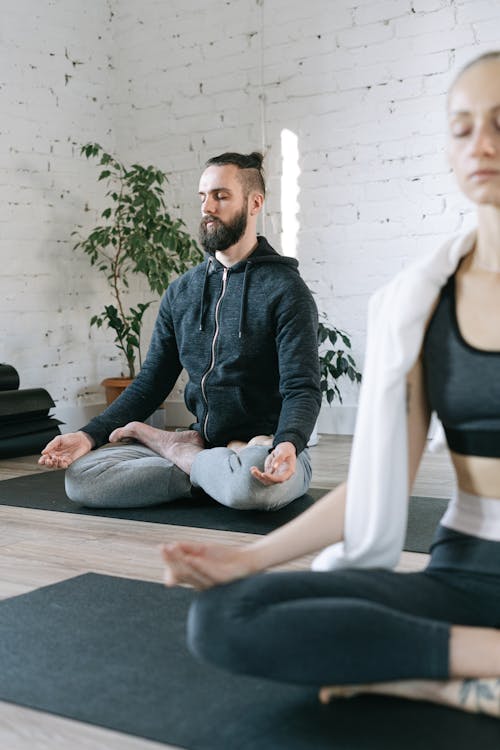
x: 361, y: 84
x: 55, y: 82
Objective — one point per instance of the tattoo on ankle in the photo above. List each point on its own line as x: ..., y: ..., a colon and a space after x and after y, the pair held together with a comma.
x: 476, y: 694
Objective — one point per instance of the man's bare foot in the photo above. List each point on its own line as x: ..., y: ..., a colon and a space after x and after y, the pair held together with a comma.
x: 480, y: 695
x: 237, y: 445
x: 266, y: 440
x: 160, y: 441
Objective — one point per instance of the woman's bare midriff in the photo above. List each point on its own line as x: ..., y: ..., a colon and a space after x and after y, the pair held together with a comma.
x: 477, y: 475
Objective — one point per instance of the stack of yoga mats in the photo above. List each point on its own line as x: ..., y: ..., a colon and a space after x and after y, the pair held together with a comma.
x: 25, y: 424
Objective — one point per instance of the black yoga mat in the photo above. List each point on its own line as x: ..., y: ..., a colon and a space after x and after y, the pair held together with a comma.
x: 111, y: 652
x: 28, y: 402
x: 9, y: 378
x: 45, y: 491
x: 26, y: 445
x: 29, y: 426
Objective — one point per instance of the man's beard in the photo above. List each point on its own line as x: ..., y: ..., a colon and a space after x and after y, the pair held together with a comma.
x: 221, y: 236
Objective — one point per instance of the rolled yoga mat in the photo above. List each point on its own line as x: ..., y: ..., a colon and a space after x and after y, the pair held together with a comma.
x: 24, y: 404
x: 9, y: 378
x: 28, y: 426
x: 45, y: 491
x: 26, y: 445
x: 111, y: 652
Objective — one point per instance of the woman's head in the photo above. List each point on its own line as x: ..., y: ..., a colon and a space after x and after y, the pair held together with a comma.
x: 474, y: 129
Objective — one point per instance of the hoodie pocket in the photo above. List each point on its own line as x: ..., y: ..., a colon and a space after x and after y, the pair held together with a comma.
x: 227, y: 415
x: 192, y: 395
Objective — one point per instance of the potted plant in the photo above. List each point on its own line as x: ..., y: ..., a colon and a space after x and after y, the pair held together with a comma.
x: 137, y: 236
x: 335, y: 362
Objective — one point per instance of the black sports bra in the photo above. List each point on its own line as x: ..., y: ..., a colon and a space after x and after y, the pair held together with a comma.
x: 463, y: 383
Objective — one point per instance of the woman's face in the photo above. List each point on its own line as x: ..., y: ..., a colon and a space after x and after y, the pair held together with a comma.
x: 474, y: 132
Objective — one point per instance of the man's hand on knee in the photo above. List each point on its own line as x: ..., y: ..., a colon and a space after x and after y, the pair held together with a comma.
x: 279, y: 465
x: 64, y: 449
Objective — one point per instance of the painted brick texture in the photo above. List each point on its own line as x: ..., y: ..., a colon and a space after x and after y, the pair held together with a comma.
x: 359, y: 86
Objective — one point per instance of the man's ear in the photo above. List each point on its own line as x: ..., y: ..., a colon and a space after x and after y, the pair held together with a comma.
x: 255, y: 202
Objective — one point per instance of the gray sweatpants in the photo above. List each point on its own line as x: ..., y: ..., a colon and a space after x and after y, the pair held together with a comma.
x: 131, y: 475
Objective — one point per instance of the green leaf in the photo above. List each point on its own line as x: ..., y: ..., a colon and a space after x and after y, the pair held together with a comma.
x: 139, y: 237
x: 334, y: 362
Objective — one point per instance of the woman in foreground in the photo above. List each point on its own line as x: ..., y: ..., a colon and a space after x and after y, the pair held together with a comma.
x: 352, y: 623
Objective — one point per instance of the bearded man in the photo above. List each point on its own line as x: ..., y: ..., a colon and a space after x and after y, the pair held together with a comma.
x: 243, y: 325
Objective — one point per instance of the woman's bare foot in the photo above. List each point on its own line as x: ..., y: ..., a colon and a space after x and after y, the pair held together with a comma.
x: 160, y: 441
x: 480, y: 695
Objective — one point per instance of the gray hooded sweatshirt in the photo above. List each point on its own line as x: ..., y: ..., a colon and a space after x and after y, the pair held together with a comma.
x: 247, y: 338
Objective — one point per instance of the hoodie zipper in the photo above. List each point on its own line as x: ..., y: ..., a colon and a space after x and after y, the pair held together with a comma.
x: 225, y: 274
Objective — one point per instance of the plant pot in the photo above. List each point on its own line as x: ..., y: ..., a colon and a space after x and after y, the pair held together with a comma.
x: 114, y: 386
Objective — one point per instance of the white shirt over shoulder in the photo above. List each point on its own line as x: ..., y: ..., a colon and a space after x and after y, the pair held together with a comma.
x: 377, y: 484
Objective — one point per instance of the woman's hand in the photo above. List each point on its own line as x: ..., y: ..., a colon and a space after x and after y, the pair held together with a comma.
x: 205, y: 565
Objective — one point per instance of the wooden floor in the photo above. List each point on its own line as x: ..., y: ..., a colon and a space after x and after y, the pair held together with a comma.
x: 38, y: 548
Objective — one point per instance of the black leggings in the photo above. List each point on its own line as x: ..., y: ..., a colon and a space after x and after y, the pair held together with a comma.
x: 350, y: 626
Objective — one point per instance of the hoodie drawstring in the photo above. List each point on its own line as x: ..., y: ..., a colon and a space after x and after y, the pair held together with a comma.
x: 243, y: 299
x: 203, y: 293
